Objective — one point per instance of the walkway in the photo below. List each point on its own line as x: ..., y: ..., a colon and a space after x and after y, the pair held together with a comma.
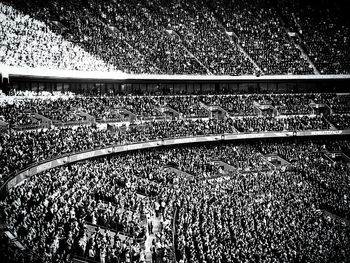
x: 156, y: 222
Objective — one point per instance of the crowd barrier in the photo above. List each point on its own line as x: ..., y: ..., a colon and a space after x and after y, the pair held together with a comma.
x: 74, y: 157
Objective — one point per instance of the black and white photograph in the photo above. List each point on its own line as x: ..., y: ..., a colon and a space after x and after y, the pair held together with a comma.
x: 174, y: 131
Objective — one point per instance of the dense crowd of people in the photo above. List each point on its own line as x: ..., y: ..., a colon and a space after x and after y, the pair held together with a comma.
x: 285, y: 104
x: 111, y: 201
x: 100, y: 209
x: 232, y: 104
x: 259, y: 213
x: 27, y: 42
x: 264, y: 216
x: 19, y: 149
x: 172, y: 37
x: 215, y: 201
x: 340, y: 121
x: 329, y: 175
x: 260, y: 32
x: 325, y: 40
x: 20, y: 111
x: 263, y: 124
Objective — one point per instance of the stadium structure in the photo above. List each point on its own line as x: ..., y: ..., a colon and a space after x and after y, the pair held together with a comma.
x: 174, y: 131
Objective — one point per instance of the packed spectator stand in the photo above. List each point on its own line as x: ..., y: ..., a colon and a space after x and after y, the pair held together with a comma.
x: 222, y: 200
x: 172, y: 37
x: 148, y: 123
x: 325, y: 40
x: 121, y: 200
x: 100, y: 191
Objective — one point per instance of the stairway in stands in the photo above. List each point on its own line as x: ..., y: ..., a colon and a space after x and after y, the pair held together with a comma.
x: 172, y: 33
x: 295, y: 39
x: 150, y: 237
x: 231, y: 36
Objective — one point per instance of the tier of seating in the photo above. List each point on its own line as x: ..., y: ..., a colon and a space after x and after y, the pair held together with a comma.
x: 256, y: 212
x: 27, y: 42
x: 22, y: 112
x: 20, y: 149
x: 322, y: 32
x: 340, y: 121
x: 260, y: 32
x: 263, y: 124
x: 172, y: 37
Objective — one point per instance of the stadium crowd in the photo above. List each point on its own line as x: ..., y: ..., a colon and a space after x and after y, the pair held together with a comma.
x: 260, y: 32
x: 20, y: 149
x: 340, y: 121
x: 324, y: 40
x: 171, y: 37
x: 21, y: 111
x: 27, y: 42
x: 297, y: 104
x: 261, y: 124
x: 216, y: 202
x: 259, y: 214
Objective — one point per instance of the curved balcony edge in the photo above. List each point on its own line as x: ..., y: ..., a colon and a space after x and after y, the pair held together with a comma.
x: 36, y: 168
